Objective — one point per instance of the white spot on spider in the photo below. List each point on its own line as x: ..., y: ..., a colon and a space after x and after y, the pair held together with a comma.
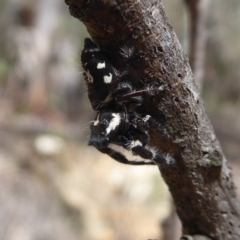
x: 90, y: 77
x: 101, y: 65
x: 135, y: 144
x: 107, y: 79
x: 96, y: 122
x: 114, y: 122
x: 146, y: 118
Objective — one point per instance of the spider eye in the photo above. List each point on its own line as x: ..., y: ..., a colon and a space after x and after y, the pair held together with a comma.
x: 104, y: 123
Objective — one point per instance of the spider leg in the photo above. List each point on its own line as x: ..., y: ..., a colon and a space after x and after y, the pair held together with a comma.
x: 133, y: 139
x: 121, y: 158
x: 139, y: 147
x: 131, y: 95
x: 138, y: 143
x: 142, y: 152
x: 151, y: 90
x: 149, y: 154
x: 159, y: 159
x: 145, y: 122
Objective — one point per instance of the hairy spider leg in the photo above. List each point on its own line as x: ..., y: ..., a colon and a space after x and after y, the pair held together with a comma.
x: 138, y: 146
x: 142, y: 152
x: 121, y: 158
x: 159, y: 159
x: 128, y: 96
x: 148, y: 154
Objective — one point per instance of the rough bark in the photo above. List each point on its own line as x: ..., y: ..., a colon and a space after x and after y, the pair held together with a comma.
x: 199, y: 12
x: 199, y: 180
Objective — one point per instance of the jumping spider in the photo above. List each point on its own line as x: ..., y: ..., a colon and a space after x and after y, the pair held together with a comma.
x: 113, y: 96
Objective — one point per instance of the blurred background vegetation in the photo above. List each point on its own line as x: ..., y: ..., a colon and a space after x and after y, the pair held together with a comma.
x: 54, y: 187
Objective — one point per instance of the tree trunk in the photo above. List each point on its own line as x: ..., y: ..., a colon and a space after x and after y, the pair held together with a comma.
x: 197, y: 175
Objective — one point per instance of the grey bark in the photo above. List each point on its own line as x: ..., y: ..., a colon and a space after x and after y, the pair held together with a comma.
x: 196, y: 34
x: 198, y: 177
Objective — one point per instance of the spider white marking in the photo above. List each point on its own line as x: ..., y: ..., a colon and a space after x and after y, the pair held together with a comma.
x: 135, y: 144
x: 146, y: 118
x: 107, y: 79
x: 114, y: 122
x: 95, y: 123
x: 90, y: 77
x: 101, y: 65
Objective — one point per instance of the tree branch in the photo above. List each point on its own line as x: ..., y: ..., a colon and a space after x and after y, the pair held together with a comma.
x: 199, y: 12
x: 199, y: 179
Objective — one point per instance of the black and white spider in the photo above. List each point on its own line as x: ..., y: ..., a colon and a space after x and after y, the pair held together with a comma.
x: 117, y: 121
x: 119, y: 128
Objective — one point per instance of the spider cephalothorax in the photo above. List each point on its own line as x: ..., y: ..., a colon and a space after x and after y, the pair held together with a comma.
x: 120, y: 129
